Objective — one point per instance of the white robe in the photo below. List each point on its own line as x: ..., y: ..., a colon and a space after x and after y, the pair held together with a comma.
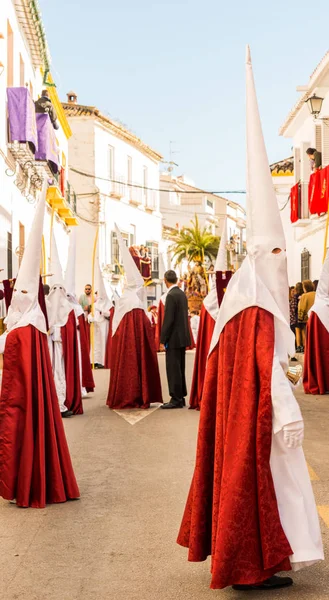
x: 101, y: 331
x: 58, y: 365
x: 294, y: 493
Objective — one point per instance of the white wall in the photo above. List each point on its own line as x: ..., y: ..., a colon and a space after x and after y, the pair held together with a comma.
x: 14, y: 207
x: 88, y: 149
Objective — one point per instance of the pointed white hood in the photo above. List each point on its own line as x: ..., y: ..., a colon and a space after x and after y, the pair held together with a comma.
x: 221, y: 260
x: 103, y: 304
x: 321, y: 304
x: 58, y: 305
x: 24, y: 309
x: 69, y: 281
x: 134, y: 295
x: 262, y: 279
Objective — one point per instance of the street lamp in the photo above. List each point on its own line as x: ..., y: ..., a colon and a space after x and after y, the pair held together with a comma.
x: 314, y: 104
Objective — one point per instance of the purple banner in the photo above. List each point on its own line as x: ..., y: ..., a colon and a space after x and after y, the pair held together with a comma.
x: 47, y: 143
x: 21, y: 113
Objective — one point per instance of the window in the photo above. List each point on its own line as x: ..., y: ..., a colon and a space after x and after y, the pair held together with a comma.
x: 111, y: 162
x: 21, y: 71
x: 154, y: 255
x: 9, y: 255
x: 116, y: 259
x: 21, y: 243
x: 305, y: 264
x: 129, y: 175
x: 145, y: 184
x: 209, y: 203
x: 10, y: 56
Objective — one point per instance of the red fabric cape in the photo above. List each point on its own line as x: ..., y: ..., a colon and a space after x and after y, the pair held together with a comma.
x: 8, y: 291
x: 316, y: 360
x: 109, y: 342
x: 72, y: 368
x: 232, y: 511
x: 87, y: 373
x: 158, y: 326
x: 135, y: 378
x: 206, y: 329
x: 193, y: 345
x: 35, y: 464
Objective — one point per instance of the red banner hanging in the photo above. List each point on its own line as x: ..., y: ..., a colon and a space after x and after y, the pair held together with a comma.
x: 295, y: 203
x: 314, y: 193
x: 324, y: 190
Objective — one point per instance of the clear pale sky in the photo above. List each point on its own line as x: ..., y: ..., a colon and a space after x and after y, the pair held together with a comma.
x: 174, y: 70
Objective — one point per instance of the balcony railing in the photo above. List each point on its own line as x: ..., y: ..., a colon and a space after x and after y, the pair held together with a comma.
x: 150, y: 199
x: 118, y: 187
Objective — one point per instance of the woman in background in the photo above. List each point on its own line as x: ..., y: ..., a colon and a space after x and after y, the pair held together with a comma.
x: 305, y: 304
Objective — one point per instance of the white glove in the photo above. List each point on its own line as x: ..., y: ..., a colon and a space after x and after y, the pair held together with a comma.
x: 293, y: 434
x: 90, y: 319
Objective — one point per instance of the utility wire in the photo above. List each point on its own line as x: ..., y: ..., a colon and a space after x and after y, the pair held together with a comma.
x: 142, y: 187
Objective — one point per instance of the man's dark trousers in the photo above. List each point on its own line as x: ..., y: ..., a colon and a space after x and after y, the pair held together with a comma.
x: 175, y: 366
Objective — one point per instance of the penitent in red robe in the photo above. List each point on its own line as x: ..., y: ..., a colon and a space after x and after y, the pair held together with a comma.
x: 109, y: 342
x: 158, y: 327
x: 35, y: 463
x: 231, y: 512
x: 73, y: 400
x: 316, y: 363
x: 87, y: 373
x: 135, y: 378
x: 206, y: 330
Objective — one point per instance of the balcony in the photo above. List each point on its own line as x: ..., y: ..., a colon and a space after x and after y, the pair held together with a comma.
x: 135, y: 194
x: 150, y: 200
x: 118, y: 187
x: 65, y: 208
x: 47, y: 154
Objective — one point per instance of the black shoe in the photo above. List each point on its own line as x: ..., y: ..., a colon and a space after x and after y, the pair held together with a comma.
x: 172, y: 405
x: 294, y: 359
x: 67, y: 414
x: 183, y: 402
x: 272, y: 583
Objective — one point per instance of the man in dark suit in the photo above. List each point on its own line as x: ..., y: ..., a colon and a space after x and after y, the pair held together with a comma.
x: 175, y: 336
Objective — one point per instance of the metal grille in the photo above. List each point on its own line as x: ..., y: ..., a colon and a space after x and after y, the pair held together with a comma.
x: 154, y: 254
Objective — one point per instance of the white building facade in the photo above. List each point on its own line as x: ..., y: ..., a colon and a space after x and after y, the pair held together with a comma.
x: 305, y: 237
x: 24, y: 72
x: 181, y: 201
x: 116, y: 177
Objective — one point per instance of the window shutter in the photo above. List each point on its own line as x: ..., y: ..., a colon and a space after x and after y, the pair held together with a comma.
x: 318, y: 137
x: 325, y: 142
x: 297, y: 164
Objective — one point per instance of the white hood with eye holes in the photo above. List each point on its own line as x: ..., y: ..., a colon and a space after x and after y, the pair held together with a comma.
x: 58, y: 306
x: 24, y: 309
x: 262, y: 280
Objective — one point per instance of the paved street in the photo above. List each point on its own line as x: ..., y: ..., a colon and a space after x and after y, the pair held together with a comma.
x: 118, y: 541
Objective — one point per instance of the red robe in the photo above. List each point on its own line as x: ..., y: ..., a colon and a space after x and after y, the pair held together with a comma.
x: 87, y: 374
x: 109, y: 342
x: 135, y: 378
x: 232, y: 511
x: 206, y: 329
x: 72, y: 368
x: 35, y: 464
x: 316, y: 361
x: 159, y: 324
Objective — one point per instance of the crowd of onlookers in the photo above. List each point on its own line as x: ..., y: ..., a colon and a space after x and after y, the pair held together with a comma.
x: 301, y: 300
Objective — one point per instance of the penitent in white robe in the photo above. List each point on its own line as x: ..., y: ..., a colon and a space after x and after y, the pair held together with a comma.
x: 101, y: 332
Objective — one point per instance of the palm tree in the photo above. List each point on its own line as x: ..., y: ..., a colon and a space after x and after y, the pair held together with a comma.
x: 194, y: 243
